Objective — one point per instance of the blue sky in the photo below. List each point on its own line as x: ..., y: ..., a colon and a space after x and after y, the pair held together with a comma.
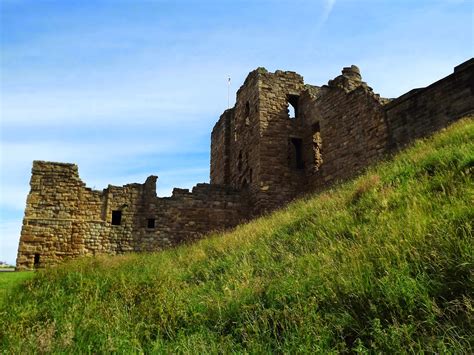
x: 130, y: 88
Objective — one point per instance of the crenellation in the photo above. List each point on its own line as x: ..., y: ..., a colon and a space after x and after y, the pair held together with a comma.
x: 282, y: 139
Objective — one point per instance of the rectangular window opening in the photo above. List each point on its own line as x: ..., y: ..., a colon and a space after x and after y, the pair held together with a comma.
x: 37, y: 260
x: 316, y: 127
x: 297, y: 159
x: 116, y: 218
x: 247, y: 109
x: 150, y: 223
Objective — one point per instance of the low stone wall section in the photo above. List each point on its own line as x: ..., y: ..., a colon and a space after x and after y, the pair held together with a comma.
x: 422, y: 112
x: 65, y: 219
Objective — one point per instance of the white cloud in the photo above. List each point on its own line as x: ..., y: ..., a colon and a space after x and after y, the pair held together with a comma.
x: 328, y: 6
x: 99, y: 152
x: 86, y: 106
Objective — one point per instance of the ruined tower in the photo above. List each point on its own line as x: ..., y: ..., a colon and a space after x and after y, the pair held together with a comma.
x: 251, y: 143
x: 274, y: 141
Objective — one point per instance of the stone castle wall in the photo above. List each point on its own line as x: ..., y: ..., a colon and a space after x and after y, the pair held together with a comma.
x: 341, y: 128
x: 423, y: 111
x: 251, y: 140
x: 65, y: 219
x: 346, y: 129
x: 262, y: 155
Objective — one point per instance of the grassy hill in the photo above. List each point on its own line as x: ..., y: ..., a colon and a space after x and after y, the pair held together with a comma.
x: 383, y: 263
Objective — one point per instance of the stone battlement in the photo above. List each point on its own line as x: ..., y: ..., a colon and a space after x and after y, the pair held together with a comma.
x: 283, y: 138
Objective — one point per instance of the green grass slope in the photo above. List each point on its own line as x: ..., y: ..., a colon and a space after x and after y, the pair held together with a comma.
x: 380, y: 264
x: 9, y: 280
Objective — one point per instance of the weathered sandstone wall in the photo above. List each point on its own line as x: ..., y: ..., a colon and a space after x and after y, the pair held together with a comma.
x: 65, y: 219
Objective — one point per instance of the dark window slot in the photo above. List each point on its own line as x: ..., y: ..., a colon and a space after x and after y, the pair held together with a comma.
x: 150, y: 223
x: 116, y: 218
x: 37, y: 260
x: 297, y: 159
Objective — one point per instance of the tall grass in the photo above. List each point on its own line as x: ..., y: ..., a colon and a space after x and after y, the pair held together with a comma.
x: 380, y: 264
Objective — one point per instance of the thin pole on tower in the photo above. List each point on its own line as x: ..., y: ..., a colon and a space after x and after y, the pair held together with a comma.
x: 228, y: 92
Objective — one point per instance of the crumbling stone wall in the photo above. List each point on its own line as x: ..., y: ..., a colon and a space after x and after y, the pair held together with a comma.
x: 59, y: 210
x: 250, y: 142
x: 281, y: 168
x: 276, y: 156
x: 346, y: 128
x: 220, y: 149
x: 423, y: 111
x: 65, y: 219
x: 340, y: 128
x: 186, y: 215
x: 261, y: 157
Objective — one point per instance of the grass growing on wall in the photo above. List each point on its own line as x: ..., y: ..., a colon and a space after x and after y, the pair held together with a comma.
x: 381, y: 264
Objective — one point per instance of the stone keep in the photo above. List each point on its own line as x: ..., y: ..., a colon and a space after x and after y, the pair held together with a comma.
x: 283, y: 138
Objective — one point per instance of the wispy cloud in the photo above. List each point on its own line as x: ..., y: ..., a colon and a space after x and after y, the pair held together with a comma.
x: 328, y: 6
x: 324, y: 11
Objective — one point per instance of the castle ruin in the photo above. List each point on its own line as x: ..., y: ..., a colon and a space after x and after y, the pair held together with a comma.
x: 282, y: 139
